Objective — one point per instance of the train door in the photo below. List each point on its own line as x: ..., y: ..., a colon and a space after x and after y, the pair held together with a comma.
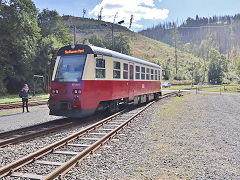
x: 131, y: 82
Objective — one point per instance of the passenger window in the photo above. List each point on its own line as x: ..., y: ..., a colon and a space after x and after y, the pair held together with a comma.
x: 156, y: 76
x: 131, y: 73
x: 125, y: 71
x: 152, y: 74
x: 137, y: 72
x: 100, y: 68
x: 159, y: 75
x: 143, y: 73
x: 148, y: 74
x: 116, y: 70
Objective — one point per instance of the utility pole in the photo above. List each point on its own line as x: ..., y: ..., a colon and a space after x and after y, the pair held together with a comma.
x: 74, y: 36
x: 84, y: 12
x: 175, y: 46
x: 204, y: 59
x: 193, y: 64
x: 100, y: 14
x: 112, y: 36
x: 204, y: 70
x: 115, y: 17
x: 105, y: 25
x: 131, y: 20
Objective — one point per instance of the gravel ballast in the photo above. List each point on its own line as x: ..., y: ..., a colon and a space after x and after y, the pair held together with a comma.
x: 191, y: 137
x: 16, y: 151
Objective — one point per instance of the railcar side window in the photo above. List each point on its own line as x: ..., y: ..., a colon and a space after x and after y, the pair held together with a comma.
x: 125, y: 71
x: 148, y: 74
x: 131, y: 73
x: 100, y: 68
x: 152, y: 74
x: 137, y: 72
x: 159, y: 75
x: 143, y: 73
x: 116, y: 70
x: 156, y: 75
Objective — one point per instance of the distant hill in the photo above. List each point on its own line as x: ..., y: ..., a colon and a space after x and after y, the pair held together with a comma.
x: 142, y: 46
x: 224, y: 32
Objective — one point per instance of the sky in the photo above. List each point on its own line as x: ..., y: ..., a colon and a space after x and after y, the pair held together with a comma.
x: 146, y: 13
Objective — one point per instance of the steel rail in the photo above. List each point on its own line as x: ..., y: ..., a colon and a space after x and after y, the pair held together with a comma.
x: 59, y: 172
x: 10, y: 168
x: 67, y: 166
x: 36, y: 155
x: 8, y: 134
x: 18, y: 104
x: 29, y: 134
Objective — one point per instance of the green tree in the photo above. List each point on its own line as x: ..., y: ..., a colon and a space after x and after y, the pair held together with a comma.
x: 52, y: 24
x: 187, y: 47
x: 54, y: 35
x: 86, y: 41
x: 166, y: 72
x: 108, y: 40
x: 96, y: 40
x: 122, y: 44
x: 19, y: 34
x: 197, y: 72
x: 217, y: 67
x: 236, y: 64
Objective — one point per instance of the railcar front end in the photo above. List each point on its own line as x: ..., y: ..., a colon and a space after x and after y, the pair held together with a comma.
x: 66, y: 93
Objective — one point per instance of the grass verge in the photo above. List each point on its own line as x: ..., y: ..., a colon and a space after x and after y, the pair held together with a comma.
x: 15, y: 98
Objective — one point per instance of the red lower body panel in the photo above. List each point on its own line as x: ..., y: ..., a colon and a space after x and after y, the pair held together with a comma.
x: 101, y: 90
x: 94, y: 92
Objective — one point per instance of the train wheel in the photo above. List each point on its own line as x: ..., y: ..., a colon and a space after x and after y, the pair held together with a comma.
x: 113, y: 107
x: 156, y: 96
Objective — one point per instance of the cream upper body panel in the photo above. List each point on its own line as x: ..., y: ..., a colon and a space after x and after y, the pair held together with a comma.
x: 89, y: 68
x: 89, y: 72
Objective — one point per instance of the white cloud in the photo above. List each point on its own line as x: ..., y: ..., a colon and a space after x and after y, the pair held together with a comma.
x: 141, y: 9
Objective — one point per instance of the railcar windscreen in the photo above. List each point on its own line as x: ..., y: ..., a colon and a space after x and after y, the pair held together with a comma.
x: 70, y: 68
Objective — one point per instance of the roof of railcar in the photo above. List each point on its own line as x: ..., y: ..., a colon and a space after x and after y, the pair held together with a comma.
x: 102, y: 51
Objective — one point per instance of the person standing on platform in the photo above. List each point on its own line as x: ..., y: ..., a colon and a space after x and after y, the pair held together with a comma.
x: 24, y: 95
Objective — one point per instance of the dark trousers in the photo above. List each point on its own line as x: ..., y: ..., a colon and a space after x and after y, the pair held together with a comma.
x: 25, y: 100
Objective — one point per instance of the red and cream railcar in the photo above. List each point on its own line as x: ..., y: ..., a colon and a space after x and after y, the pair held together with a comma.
x: 87, y: 79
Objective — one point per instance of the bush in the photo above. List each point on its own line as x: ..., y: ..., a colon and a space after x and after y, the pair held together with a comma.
x: 3, y: 90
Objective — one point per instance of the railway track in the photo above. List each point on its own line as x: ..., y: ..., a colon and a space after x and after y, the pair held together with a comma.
x: 18, y: 104
x: 73, y: 148
x: 23, y: 134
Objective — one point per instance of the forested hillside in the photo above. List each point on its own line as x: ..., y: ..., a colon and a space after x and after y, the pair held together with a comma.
x: 200, y: 35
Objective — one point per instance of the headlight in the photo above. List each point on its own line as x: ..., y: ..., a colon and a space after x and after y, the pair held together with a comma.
x: 54, y: 91
x: 77, y: 91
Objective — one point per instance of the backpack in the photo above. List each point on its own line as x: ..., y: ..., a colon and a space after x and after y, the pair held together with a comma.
x: 20, y: 94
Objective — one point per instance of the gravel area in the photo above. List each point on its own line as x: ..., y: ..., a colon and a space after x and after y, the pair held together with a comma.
x: 191, y: 137
x: 14, y: 118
